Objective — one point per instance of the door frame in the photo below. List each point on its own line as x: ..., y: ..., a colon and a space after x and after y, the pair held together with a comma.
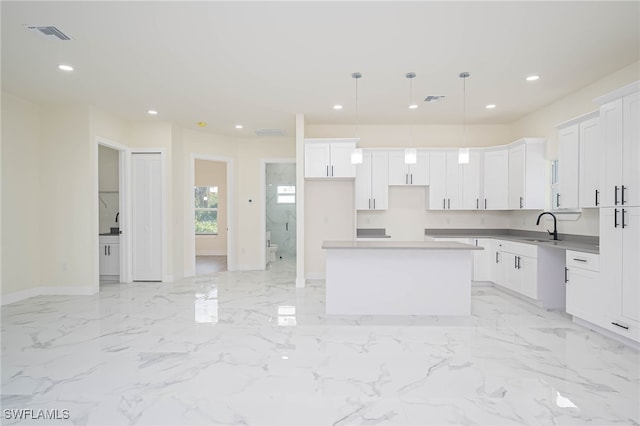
x: 263, y: 201
x: 190, y: 216
x: 124, y: 162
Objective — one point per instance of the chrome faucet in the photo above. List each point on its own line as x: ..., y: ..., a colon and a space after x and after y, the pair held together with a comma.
x: 555, y: 226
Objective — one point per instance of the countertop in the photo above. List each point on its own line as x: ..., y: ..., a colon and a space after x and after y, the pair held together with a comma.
x: 583, y: 243
x: 399, y: 245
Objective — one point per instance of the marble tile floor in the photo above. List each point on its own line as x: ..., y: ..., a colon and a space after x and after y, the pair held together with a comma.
x: 248, y: 348
x: 210, y: 264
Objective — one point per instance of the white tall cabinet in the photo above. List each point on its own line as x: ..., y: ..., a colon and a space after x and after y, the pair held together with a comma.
x: 147, y: 239
x: 527, y: 174
x: 372, y: 181
x: 620, y: 211
x: 495, y: 180
x: 590, y: 158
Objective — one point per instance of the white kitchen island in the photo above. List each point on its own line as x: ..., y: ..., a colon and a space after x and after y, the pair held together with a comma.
x: 398, y: 278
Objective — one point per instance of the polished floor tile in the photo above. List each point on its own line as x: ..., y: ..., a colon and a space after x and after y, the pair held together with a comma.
x: 249, y: 348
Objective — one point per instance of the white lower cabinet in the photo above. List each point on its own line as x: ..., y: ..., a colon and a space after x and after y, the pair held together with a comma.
x: 584, y: 292
x: 484, y: 260
x: 109, y: 260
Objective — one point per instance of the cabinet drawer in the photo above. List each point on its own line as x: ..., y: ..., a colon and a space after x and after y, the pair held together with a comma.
x: 523, y: 249
x: 623, y: 327
x: 578, y: 259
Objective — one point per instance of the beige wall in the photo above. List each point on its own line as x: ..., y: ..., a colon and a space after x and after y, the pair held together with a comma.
x: 329, y: 214
x: 383, y: 136
x: 213, y: 173
x: 21, y: 197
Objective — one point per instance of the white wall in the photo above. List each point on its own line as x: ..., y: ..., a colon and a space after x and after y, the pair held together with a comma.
x: 21, y: 198
x: 213, y: 173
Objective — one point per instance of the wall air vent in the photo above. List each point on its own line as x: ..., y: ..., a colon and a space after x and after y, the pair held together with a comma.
x: 271, y: 133
x: 434, y: 98
x: 51, y: 31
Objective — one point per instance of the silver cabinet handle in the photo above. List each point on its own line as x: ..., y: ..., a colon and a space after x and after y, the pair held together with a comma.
x: 105, y: 250
x: 369, y: 203
x: 485, y: 203
x: 406, y: 178
x: 374, y: 203
x: 449, y: 203
x: 444, y: 203
x: 566, y: 275
x: 327, y: 171
x: 521, y: 202
x: 580, y: 260
x: 615, y: 196
x: 622, y: 188
x: 109, y: 250
x: 623, y: 224
x: 331, y: 170
x: 411, y: 178
x: 477, y: 203
x: 597, y: 202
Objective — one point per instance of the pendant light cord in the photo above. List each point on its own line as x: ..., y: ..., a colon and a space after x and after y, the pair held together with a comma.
x: 356, y: 76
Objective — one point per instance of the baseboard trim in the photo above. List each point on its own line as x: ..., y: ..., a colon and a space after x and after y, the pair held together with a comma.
x: 315, y: 276
x: 19, y: 296
x: 611, y: 335
x: 211, y: 253
x: 251, y: 268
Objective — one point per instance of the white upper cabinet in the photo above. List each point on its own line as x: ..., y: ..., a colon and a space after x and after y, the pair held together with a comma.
x: 590, y: 158
x: 438, y: 180
x: 372, y: 181
x: 454, y: 181
x: 568, y: 167
x: 329, y: 158
x: 620, y: 130
x: 471, y: 182
x: 495, y: 180
x: 401, y: 173
x: 527, y: 180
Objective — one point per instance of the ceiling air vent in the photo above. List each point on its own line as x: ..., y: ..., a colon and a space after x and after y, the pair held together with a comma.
x: 434, y: 98
x: 271, y: 133
x: 51, y: 31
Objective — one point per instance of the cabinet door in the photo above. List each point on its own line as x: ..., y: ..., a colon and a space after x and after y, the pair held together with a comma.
x: 113, y: 259
x: 340, y: 155
x: 380, y: 180
x: 528, y: 270
x: 484, y: 260
x: 316, y: 160
x: 438, y: 181
x: 631, y: 149
x: 496, y: 180
x: 611, y: 129
x: 471, y: 182
x: 590, y: 157
x: 501, y: 266
x: 398, y: 170
x: 513, y: 278
x: 611, y: 257
x: 630, y: 262
x: 568, y: 174
x: 582, y: 294
x: 103, y: 259
x: 419, y: 172
x: 363, y: 183
x: 516, y: 177
x: 453, y: 181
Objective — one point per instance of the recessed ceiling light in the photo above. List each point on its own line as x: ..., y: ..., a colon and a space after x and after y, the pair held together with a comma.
x: 533, y: 78
x: 413, y: 106
x: 337, y: 107
x: 490, y: 106
x: 152, y: 112
x: 239, y: 126
x: 64, y: 67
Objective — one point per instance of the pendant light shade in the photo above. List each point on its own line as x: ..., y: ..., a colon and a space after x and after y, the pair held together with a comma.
x: 410, y: 156
x: 463, y: 153
x: 356, y: 156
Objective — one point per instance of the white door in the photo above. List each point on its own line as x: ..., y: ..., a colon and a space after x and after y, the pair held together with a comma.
x: 419, y: 172
x: 631, y: 149
x: 516, y: 177
x: 398, y: 170
x: 454, y: 182
x: 471, y: 182
x: 146, y: 217
x: 341, y: 165
x: 611, y: 257
x: 611, y: 127
x: 496, y: 180
x: 380, y: 180
x: 590, y: 158
x: 363, y: 183
x: 630, y: 269
x: 316, y: 160
x: 568, y: 175
x: 438, y: 181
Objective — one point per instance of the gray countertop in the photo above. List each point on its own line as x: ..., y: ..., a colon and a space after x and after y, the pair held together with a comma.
x: 583, y: 243
x: 398, y: 245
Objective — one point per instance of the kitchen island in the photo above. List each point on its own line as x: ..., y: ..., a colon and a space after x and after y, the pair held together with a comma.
x: 398, y: 278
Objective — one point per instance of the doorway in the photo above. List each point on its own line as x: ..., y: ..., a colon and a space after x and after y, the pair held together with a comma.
x: 280, y: 211
x: 210, y: 216
x: 108, y: 214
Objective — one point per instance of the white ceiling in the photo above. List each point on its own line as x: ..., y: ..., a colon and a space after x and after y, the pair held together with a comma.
x: 259, y: 63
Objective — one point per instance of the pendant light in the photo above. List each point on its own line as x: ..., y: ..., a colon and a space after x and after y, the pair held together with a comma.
x: 356, y: 154
x: 463, y: 153
x: 411, y: 154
